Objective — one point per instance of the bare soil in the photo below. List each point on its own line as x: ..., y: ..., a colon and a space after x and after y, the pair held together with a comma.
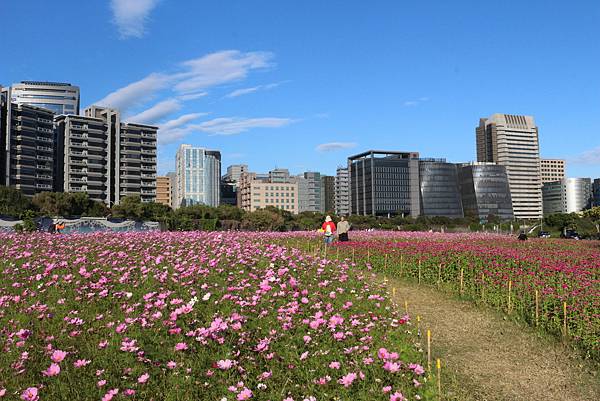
x: 487, y: 357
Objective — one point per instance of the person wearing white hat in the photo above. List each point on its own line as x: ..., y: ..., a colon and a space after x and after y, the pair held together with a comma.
x: 329, y: 228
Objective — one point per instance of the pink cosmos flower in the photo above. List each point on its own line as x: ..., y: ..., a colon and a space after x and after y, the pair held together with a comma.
x: 181, y: 346
x: 334, y: 365
x: 347, y: 380
x: 53, y: 370
x: 81, y: 363
x: 58, y: 356
x: 245, y: 394
x: 224, y: 364
x: 129, y: 392
x: 171, y: 364
x: 2, y: 392
x: 397, y: 396
x: 386, y: 389
x: 143, y: 378
x: 391, y: 367
x: 418, y: 369
x: 101, y: 383
x: 30, y: 394
x: 111, y: 393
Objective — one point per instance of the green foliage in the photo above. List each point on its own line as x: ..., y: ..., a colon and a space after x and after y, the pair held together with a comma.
x: 29, y: 221
x: 68, y: 204
x: 12, y: 202
x: 263, y: 220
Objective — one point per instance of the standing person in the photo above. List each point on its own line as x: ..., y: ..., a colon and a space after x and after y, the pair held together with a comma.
x: 329, y: 228
x: 342, y: 229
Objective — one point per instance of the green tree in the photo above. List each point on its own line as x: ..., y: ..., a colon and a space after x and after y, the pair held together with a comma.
x: 594, y: 215
x: 263, y: 220
x: 130, y: 207
x: 12, y: 202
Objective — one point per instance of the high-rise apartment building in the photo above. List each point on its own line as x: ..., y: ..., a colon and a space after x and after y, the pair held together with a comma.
x: 163, y: 190
x: 26, y: 146
x: 58, y: 97
x: 552, y: 170
x: 342, y: 192
x: 439, y: 189
x: 309, y: 192
x: 198, y: 176
x: 485, y: 191
x: 512, y: 141
x: 569, y: 195
x: 104, y: 157
x: 327, y: 193
x: 384, y: 183
x: 256, y: 192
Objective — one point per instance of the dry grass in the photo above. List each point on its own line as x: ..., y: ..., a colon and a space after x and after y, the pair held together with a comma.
x: 491, y: 358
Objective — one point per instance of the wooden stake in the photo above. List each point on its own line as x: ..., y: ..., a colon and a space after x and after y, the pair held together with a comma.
x: 429, y: 350
x: 337, y: 253
x: 509, y: 293
x: 439, y: 274
x: 406, y: 306
x: 566, y: 333
x: 394, y: 291
x: 353, y: 251
x: 462, y: 288
x: 385, y: 262
x: 419, y: 271
x: 368, y: 255
x: 537, y: 307
x: 483, y: 287
x: 418, y: 325
x: 401, y: 265
x: 439, y: 378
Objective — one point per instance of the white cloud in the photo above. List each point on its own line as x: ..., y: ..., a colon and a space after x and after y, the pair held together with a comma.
x: 198, y: 74
x: 177, y: 128
x: 591, y: 156
x: 245, y: 91
x: 156, y: 112
x: 333, y: 146
x: 219, y: 68
x: 193, y: 96
x: 138, y: 92
x: 234, y: 125
x: 181, y: 120
x: 415, y: 102
x: 131, y: 16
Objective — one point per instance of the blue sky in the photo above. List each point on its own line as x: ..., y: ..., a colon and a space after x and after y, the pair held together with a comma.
x: 304, y: 84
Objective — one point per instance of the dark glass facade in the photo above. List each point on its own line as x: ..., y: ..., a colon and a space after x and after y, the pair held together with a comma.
x: 440, y: 194
x: 596, y: 192
x: 384, y: 183
x: 484, y: 191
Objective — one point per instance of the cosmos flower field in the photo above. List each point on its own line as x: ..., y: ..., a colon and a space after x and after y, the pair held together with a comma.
x: 197, y: 316
x: 551, y: 284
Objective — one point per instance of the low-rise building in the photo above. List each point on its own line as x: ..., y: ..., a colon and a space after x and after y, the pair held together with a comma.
x: 552, y: 170
x: 163, y: 190
x: 256, y: 193
x: 569, y: 195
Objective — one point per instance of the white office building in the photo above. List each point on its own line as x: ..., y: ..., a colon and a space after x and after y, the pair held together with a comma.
x: 198, y: 176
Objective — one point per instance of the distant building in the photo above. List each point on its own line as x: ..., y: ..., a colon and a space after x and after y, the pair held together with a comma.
x: 163, y: 190
x: 512, y: 141
x: 328, y: 193
x: 485, y: 191
x: 173, y: 186
x: 439, y: 190
x: 342, y: 192
x: 198, y: 176
x: 235, y: 171
x: 309, y: 192
x: 104, y: 157
x: 228, y: 191
x: 58, y: 97
x: 552, y: 170
x: 257, y: 192
x: 26, y: 146
x: 596, y: 192
x: 569, y: 195
x: 384, y: 183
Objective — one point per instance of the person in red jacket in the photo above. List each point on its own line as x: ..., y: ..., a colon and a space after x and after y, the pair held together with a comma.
x: 329, y: 228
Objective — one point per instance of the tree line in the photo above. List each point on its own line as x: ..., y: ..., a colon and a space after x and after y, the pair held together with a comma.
x: 14, y: 204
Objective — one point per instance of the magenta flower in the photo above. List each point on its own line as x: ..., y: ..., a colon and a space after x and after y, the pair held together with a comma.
x: 397, y: 396
x: 52, y: 370
x: 334, y: 365
x: 181, y: 347
x: 81, y: 363
x: 58, y: 356
x: 245, y: 394
x: 30, y: 394
x: 143, y: 378
x: 347, y: 380
x: 224, y: 364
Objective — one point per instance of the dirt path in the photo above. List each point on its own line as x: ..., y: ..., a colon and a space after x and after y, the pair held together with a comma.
x: 496, y: 359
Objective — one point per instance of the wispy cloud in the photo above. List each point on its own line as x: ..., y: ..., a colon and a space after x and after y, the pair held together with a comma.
x: 591, y: 156
x: 246, y: 91
x: 192, y: 79
x: 156, y: 112
x: 176, y: 129
x: 130, y: 16
x: 235, y: 125
x: 333, y: 146
x: 415, y: 102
